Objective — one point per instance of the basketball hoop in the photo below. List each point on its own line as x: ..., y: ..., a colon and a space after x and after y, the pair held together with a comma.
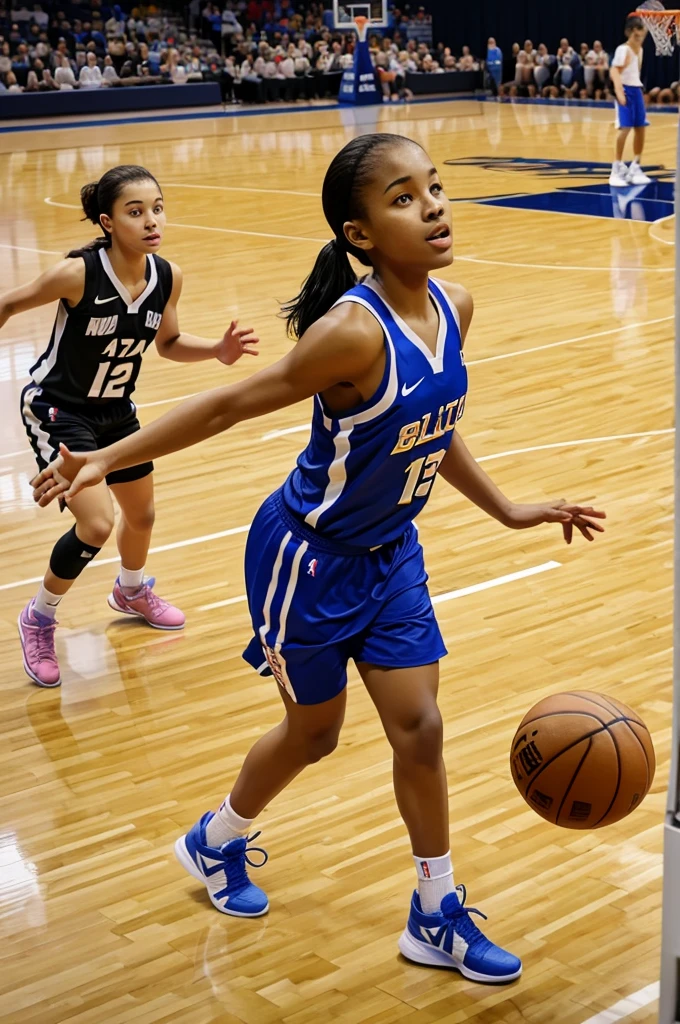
x: 361, y: 25
x: 663, y: 26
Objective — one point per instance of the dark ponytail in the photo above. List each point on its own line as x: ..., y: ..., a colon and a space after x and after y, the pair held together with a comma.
x: 341, y: 196
x: 98, y: 197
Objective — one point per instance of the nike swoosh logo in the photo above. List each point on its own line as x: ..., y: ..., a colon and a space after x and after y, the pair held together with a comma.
x: 100, y: 302
x: 407, y: 391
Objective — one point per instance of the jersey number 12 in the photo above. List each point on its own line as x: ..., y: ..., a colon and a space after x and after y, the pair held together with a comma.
x: 110, y: 380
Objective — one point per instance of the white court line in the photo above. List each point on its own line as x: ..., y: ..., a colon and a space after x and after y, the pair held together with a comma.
x: 625, y: 1007
x: 465, y: 259
x: 664, y: 241
x: 503, y: 355
x: 210, y: 227
x: 26, y: 248
x: 451, y: 595
x: 561, y: 266
x: 152, y: 551
x: 570, y: 444
x: 244, y: 529
x: 11, y: 455
x: 287, y: 430
x: 241, y: 188
x: 222, y: 604
x: 167, y: 401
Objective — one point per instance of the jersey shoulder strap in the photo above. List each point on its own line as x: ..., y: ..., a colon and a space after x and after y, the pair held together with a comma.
x: 93, y: 270
x: 164, y: 272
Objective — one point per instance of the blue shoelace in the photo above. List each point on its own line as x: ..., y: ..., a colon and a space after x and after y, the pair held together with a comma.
x: 455, y: 911
x: 237, y: 854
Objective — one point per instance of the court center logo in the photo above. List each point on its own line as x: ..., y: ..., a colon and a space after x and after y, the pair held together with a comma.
x: 547, y: 168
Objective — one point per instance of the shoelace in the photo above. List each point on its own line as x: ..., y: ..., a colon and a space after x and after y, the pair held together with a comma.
x: 459, y: 916
x: 238, y: 856
x: 43, y: 640
x: 146, y: 590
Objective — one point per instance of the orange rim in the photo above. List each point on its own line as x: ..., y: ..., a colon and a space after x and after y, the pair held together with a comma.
x: 655, y: 14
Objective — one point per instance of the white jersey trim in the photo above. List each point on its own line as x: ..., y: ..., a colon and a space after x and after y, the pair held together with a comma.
x: 449, y: 301
x: 436, y: 361
x: 337, y: 471
x: 133, y: 306
x: 50, y: 359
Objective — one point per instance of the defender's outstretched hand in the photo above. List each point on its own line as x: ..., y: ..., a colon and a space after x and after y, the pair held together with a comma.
x: 66, y: 475
x: 237, y: 341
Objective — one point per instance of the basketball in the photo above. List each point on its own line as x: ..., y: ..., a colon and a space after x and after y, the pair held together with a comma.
x: 582, y: 760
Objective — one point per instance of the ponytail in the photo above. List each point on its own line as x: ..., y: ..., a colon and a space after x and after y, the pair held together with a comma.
x: 332, y: 275
x: 98, y: 197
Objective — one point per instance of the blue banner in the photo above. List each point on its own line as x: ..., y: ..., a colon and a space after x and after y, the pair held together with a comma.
x: 358, y: 85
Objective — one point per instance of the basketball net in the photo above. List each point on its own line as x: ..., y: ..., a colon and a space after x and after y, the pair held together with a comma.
x: 361, y: 25
x: 663, y: 26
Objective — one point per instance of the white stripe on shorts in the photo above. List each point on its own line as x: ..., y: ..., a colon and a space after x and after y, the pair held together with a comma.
x: 45, y: 446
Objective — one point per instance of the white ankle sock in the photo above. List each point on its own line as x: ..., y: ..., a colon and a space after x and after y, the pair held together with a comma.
x: 46, y: 603
x: 131, y: 578
x: 435, y: 881
x: 226, y: 824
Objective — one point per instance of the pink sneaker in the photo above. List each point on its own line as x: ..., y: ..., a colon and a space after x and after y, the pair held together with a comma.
x: 147, y: 605
x: 37, y: 643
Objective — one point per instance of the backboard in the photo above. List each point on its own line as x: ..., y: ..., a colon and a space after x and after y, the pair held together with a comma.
x: 344, y: 13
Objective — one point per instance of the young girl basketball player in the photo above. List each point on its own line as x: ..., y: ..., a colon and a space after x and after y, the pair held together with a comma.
x: 115, y: 297
x: 630, y: 105
x: 334, y: 569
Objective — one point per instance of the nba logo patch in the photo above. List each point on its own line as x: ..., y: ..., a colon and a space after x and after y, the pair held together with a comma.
x: 311, y: 568
x: 53, y: 414
x: 425, y: 868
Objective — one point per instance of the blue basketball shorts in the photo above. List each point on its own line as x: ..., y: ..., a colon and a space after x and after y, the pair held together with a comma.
x: 314, y: 605
x: 634, y: 114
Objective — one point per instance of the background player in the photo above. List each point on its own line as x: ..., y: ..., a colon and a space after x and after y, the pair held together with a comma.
x: 630, y: 105
x: 115, y: 297
x: 334, y: 569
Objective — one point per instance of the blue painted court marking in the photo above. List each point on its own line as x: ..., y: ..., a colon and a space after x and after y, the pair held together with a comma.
x: 602, y: 104
x: 206, y: 115
x: 636, y: 202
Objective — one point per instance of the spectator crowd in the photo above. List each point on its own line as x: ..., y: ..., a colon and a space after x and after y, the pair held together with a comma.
x: 568, y: 73
x: 260, y: 50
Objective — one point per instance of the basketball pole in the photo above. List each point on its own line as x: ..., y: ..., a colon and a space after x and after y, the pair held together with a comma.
x: 669, y: 997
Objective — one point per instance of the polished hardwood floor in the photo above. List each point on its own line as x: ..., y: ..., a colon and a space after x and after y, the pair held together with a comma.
x: 570, y: 358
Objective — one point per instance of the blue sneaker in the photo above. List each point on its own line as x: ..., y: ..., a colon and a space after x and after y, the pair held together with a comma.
x: 451, y: 939
x: 223, y: 871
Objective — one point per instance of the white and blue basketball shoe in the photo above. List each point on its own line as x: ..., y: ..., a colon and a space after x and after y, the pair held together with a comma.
x: 451, y: 939
x: 223, y: 871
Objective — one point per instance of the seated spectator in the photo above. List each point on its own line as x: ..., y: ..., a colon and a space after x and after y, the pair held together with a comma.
x: 665, y: 96
x: 32, y: 84
x: 109, y: 74
x: 90, y: 76
x: 545, y: 66
x: 566, y: 81
x: 523, y: 84
x: 5, y: 59
x: 64, y: 76
x: 47, y: 82
x: 12, y: 84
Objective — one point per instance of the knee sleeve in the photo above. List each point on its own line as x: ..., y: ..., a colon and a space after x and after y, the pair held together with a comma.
x: 70, y: 555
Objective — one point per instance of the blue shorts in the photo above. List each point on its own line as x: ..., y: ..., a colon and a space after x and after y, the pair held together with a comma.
x: 634, y: 114
x: 315, y: 604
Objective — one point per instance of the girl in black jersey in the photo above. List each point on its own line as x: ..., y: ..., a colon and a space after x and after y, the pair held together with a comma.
x: 115, y: 297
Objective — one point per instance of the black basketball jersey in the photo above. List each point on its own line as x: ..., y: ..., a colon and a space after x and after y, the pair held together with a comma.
x: 95, y: 352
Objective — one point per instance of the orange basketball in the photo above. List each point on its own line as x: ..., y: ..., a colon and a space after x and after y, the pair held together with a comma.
x: 582, y: 760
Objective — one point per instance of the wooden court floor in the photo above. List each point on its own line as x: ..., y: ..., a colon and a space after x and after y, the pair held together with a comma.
x: 570, y: 358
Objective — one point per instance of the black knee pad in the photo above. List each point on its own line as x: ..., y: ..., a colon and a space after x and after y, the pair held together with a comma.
x: 70, y: 555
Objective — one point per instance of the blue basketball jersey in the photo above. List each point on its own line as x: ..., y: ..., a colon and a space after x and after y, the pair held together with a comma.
x: 366, y: 474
